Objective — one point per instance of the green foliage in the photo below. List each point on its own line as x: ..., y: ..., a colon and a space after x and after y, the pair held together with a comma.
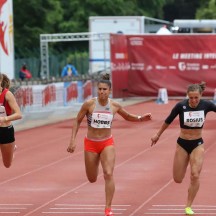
x: 207, y: 10
x: 35, y: 17
x: 31, y: 18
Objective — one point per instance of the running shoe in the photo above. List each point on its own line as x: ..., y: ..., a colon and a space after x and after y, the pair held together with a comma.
x: 189, y: 211
x: 108, y: 212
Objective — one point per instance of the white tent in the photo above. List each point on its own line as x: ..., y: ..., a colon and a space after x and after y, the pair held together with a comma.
x: 164, y: 31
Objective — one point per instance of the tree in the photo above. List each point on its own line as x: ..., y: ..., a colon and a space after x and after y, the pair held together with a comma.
x: 207, y: 10
x: 31, y: 18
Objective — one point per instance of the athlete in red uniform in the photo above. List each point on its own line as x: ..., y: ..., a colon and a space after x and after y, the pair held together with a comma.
x: 9, y: 111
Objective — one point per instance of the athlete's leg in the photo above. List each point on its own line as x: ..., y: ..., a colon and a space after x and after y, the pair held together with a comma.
x: 108, y: 162
x: 181, y: 160
x: 7, y: 151
x: 92, y: 160
x: 196, y: 162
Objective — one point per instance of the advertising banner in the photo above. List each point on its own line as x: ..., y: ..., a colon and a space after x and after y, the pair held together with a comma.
x: 164, y: 61
x: 6, y: 38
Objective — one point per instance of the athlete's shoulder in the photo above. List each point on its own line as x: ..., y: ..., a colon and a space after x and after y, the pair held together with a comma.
x: 89, y: 103
x: 181, y: 104
x: 114, y: 103
x: 207, y: 104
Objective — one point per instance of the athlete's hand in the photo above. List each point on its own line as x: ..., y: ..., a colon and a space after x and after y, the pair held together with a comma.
x: 154, y: 139
x: 2, y: 120
x: 146, y: 117
x: 71, y: 148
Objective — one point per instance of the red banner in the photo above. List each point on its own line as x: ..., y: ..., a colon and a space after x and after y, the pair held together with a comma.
x: 144, y: 63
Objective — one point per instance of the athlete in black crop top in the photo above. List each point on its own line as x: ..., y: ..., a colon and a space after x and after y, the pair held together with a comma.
x: 190, y: 149
x: 191, y: 118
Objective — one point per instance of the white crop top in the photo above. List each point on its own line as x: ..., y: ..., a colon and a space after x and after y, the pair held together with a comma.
x: 101, y: 116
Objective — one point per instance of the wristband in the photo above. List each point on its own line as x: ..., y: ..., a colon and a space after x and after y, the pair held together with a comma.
x: 139, y: 117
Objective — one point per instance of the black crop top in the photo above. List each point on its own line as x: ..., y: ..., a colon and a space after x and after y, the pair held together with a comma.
x: 191, y: 118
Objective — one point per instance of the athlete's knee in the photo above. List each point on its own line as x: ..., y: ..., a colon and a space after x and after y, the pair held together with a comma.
x: 194, y: 177
x: 178, y: 179
x: 108, y: 175
x: 7, y: 164
x: 92, y: 179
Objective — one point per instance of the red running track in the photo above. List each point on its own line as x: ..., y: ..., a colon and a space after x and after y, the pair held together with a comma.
x: 46, y: 180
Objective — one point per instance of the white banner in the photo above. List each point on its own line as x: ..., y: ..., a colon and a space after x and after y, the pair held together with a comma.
x: 6, y: 38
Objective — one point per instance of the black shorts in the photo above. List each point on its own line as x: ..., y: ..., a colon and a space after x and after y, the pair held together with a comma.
x: 189, y: 145
x: 7, y: 134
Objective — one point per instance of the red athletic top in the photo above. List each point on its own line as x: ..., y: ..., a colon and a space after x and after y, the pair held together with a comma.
x: 3, y: 102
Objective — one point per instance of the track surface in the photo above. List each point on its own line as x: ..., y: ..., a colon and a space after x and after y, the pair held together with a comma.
x: 46, y: 180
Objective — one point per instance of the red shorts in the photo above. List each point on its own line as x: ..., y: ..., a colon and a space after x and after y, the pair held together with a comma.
x: 97, y: 146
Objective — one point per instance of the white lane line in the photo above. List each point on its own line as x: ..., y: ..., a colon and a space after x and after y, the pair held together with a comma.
x: 12, y: 207
x: 15, y: 204
x: 101, y: 213
x: 169, y: 209
x: 178, y: 213
x: 174, y: 209
x: 84, y: 209
x: 76, y: 208
x: 68, y: 204
x: 210, y: 206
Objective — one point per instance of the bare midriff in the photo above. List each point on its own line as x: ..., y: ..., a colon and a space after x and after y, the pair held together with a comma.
x: 190, y: 134
x: 98, y: 133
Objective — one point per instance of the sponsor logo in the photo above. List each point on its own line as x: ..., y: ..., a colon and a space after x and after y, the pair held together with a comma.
x: 120, y: 66
x: 149, y: 68
x: 205, y: 67
x: 137, y: 66
x: 182, y: 66
x: 136, y: 41
x: 160, y: 67
x: 121, y: 56
x: 172, y: 67
x: 188, y: 66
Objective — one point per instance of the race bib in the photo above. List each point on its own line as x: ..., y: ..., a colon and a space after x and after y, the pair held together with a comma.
x: 2, y: 111
x: 101, y: 120
x: 194, y: 118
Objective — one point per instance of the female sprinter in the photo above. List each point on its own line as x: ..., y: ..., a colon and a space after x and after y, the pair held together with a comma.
x: 99, y: 144
x: 9, y: 111
x: 190, y: 149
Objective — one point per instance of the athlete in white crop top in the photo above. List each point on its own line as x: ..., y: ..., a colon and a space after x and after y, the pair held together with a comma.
x: 99, y: 144
x: 101, y: 116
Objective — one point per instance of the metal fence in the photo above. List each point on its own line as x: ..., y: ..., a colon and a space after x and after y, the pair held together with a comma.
x: 56, y: 64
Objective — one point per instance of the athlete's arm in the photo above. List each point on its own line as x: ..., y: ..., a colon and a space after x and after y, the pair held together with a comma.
x: 156, y: 137
x: 76, y: 124
x: 129, y: 116
x: 16, y: 113
x: 167, y: 122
